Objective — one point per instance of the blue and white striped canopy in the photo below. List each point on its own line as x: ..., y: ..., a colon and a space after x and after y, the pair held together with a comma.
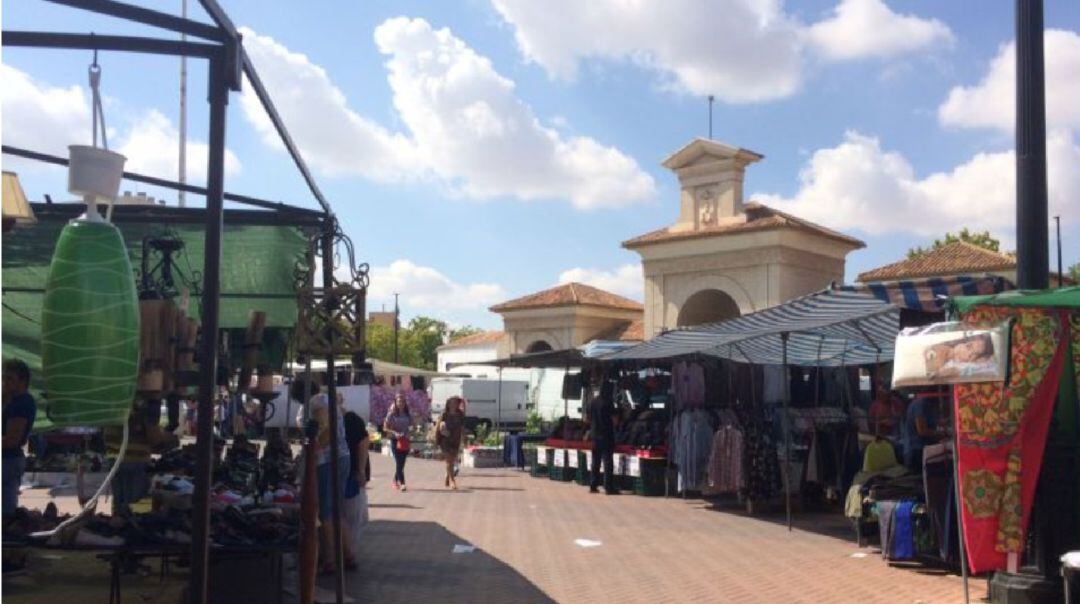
x: 828, y: 328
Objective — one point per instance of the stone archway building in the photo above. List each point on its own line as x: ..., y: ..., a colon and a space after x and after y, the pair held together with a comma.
x: 748, y: 255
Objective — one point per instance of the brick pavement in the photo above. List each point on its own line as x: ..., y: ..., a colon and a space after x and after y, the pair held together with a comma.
x: 653, y: 549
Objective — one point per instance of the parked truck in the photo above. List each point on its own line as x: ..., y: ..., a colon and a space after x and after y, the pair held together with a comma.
x: 489, y: 402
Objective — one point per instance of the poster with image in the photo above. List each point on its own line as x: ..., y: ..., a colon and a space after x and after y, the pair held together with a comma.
x: 950, y: 353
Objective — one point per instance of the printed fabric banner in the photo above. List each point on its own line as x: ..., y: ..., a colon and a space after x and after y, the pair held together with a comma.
x: 1002, y: 428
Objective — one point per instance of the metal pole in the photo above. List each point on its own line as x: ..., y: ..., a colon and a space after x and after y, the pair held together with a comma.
x: 786, y: 474
x: 182, y: 168
x: 397, y: 326
x: 331, y: 302
x: 1061, y: 274
x: 215, y: 186
x: 498, y: 404
x: 710, y: 116
x: 1032, y: 245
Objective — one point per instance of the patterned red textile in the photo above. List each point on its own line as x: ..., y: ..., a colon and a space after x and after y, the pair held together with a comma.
x: 1001, y: 433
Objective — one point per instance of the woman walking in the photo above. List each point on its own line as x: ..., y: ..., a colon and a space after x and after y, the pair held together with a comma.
x: 448, y: 434
x: 397, y: 424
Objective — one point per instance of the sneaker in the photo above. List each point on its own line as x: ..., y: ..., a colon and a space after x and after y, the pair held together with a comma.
x: 404, y: 488
x: 396, y: 485
x: 594, y: 490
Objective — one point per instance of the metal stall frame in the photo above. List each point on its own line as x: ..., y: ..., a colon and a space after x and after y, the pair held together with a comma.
x: 228, y: 64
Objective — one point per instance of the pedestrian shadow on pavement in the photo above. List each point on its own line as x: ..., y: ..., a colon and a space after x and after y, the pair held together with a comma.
x: 414, y: 562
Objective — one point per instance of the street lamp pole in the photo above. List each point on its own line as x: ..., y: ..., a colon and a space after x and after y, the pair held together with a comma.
x: 397, y: 326
x: 1032, y: 224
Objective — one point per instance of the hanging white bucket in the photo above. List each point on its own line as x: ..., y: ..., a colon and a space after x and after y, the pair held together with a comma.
x: 94, y: 172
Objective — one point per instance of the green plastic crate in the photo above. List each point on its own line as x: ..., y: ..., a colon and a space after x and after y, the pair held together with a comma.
x: 583, y: 470
x: 651, y: 481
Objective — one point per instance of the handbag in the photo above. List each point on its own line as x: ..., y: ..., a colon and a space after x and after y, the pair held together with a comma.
x: 402, y: 444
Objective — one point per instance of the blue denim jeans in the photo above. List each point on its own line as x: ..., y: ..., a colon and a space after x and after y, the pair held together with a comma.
x: 14, y: 466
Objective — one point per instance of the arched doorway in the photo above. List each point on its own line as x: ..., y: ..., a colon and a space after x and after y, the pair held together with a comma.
x: 538, y: 346
x: 707, y: 306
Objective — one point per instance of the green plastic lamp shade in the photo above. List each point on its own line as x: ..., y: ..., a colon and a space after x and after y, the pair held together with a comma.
x: 90, y: 328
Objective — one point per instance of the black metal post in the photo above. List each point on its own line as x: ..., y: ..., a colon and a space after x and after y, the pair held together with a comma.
x: 329, y: 299
x: 786, y: 474
x: 1032, y: 226
x: 1060, y: 271
x: 204, y: 468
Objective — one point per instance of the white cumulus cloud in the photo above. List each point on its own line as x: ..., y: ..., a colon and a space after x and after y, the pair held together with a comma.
x: 860, y: 185
x: 625, y: 280
x: 425, y: 290
x: 742, y: 51
x: 869, y: 28
x: 46, y: 118
x: 739, y: 50
x: 992, y: 102
x: 466, y: 128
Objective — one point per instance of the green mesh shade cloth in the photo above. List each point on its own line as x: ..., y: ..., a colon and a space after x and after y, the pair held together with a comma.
x: 257, y: 267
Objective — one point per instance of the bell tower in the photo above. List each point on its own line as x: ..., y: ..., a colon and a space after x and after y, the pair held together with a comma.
x: 710, y: 174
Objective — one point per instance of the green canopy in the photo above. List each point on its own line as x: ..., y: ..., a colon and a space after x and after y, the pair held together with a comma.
x: 257, y: 273
x: 1065, y: 297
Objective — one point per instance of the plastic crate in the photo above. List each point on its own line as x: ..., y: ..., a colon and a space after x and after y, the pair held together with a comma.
x: 542, y: 467
x: 562, y: 474
x: 583, y: 470
x: 650, y: 482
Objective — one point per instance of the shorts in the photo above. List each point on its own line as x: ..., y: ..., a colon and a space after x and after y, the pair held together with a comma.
x: 323, y: 474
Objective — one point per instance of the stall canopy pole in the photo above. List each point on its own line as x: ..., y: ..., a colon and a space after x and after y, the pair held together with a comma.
x: 959, y: 504
x: 498, y: 404
x: 786, y: 424
x: 330, y: 302
x: 204, y: 465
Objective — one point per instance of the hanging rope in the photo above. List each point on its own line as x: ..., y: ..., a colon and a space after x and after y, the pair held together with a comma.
x: 98, y: 111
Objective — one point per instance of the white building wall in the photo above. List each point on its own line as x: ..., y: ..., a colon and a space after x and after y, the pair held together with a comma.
x: 470, y: 354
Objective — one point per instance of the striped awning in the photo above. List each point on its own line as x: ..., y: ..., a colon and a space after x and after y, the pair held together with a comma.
x: 931, y: 294
x: 828, y: 328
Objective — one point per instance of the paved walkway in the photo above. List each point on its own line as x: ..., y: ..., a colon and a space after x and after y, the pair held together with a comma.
x: 652, y: 549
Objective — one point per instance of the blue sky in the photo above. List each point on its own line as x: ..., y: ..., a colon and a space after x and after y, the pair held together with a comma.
x: 485, y: 149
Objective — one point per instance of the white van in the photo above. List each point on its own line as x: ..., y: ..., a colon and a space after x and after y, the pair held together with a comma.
x: 488, y: 402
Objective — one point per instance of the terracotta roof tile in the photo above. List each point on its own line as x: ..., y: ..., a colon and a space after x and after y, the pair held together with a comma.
x: 631, y: 331
x: 759, y: 217
x: 476, y: 339
x: 569, y: 294
x: 954, y: 258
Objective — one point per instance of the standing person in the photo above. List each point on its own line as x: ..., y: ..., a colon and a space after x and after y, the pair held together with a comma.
x: 397, y: 424
x: 920, y: 429
x: 886, y: 414
x: 601, y: 417
x: 448, y: 435
x: 19, y: 413
x: 319, y: 410
x: 131, y: 482
x: 356, y: 504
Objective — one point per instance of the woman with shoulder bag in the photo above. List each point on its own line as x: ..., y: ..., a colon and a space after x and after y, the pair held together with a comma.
x: 397, y: 424
x: 448, y: 436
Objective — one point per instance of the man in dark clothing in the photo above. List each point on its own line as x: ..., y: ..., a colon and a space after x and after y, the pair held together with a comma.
x: 601, y: 417
x: 20, y: 410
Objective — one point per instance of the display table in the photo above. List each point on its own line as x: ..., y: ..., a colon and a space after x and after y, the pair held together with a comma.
x: 237, y: 572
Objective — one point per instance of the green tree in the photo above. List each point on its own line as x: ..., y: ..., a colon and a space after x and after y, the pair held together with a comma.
x: 984, y: 240
x: 463, y: 332
x: 1074, y: 272
x: 418, y: 341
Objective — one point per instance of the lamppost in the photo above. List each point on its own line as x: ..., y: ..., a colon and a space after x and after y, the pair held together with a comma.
x: 397, y: 325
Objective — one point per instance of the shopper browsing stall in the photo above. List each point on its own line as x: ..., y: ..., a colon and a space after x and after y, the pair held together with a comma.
x: 20, y: 410
x: 920, y: 430
x: 601, y: 416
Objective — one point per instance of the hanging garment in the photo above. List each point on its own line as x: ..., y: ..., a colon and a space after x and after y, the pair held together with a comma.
x: 880, y: 455
x: 774, y: 383
x: 726, y: 461
x: 688, y: 384
x: 940, y: 506
x: 1002, y: 432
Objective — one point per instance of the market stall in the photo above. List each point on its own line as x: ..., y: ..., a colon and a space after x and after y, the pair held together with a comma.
x: 101, y: 348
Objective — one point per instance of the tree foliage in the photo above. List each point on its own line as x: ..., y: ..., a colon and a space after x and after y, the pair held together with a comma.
x: 1074, y: 272
x: 984, y: 240
x: 417, y: 341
